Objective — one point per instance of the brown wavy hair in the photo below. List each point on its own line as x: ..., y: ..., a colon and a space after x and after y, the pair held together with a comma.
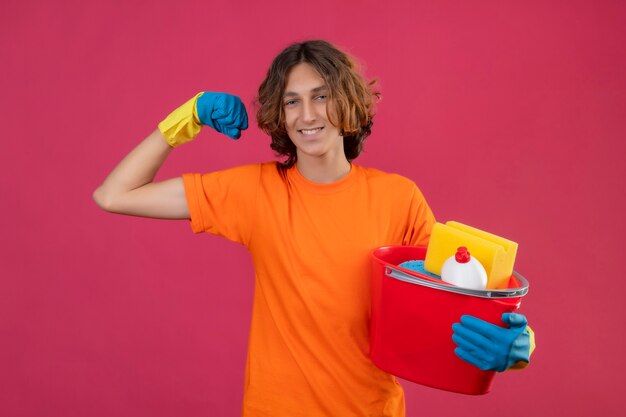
x: 353, y: 96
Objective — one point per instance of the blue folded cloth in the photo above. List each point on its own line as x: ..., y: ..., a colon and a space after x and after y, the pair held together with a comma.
x: 418, y: 266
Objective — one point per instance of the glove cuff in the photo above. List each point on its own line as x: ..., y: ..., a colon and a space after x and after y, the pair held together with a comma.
x: 519, y: 356
x: 182, y: 125
x: 524, y: 363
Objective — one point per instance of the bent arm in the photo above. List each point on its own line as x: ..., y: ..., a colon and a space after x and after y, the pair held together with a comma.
x: 129, y: 188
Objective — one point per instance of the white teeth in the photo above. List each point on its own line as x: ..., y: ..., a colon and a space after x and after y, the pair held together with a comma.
x: 310, y: 132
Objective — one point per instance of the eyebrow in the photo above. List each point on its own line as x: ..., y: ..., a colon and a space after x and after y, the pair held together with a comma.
x: 314, y: 90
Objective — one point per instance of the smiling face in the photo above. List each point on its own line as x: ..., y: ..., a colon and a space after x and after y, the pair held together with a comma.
x: 306, y: 105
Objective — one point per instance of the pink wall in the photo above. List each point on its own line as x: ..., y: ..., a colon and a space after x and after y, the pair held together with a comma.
x: 509, y: 115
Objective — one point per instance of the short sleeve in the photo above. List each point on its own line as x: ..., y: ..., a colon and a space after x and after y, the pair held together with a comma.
x: 420, y: 220
x: 223, y: 202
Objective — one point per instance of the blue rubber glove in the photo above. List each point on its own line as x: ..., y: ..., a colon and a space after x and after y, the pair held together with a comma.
x: 223, y: 112
x: 491, y: 347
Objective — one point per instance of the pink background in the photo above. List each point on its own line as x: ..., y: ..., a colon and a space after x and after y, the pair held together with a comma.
x: 509, y: 116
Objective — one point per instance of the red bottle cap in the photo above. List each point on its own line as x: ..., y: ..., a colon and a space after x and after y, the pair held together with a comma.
x: 462, y: 256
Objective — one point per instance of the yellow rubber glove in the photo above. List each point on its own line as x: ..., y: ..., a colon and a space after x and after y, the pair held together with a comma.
x: 223, y: 112
x: 182, y: 125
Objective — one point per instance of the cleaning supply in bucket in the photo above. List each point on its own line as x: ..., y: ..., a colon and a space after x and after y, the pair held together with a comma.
x: 496, y: 254
x: 417, y: 265
x: 464, y: 271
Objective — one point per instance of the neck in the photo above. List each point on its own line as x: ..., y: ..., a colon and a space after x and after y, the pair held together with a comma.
x: 323, y: 170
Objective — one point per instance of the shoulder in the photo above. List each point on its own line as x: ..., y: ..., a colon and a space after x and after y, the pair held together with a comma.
x: 268, y: 173
x: 378, y: 178
x: 394, y: 187
x: 243, y: 172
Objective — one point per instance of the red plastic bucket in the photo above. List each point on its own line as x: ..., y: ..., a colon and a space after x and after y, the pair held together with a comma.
x: 412, y: 317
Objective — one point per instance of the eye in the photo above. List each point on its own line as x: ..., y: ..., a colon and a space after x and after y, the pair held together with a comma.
x: 290, y: 103
x: 321, y: 98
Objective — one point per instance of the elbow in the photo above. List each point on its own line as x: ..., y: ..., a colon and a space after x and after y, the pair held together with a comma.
x: 103, y: 199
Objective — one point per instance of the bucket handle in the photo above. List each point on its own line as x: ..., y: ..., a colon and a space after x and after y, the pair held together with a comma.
x: 500, y: 293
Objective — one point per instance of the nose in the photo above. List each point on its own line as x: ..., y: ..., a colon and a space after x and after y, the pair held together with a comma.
x: 308, y: 112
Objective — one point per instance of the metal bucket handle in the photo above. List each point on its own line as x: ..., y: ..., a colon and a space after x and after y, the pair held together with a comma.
x: 500, y: 293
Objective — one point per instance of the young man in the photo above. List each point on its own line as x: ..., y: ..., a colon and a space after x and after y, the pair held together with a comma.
x: 309, y: 223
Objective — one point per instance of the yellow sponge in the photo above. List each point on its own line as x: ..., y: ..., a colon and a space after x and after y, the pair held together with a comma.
x: 495, y: 253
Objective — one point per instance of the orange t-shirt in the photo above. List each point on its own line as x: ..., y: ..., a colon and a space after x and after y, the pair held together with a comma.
x: 311, y: 245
